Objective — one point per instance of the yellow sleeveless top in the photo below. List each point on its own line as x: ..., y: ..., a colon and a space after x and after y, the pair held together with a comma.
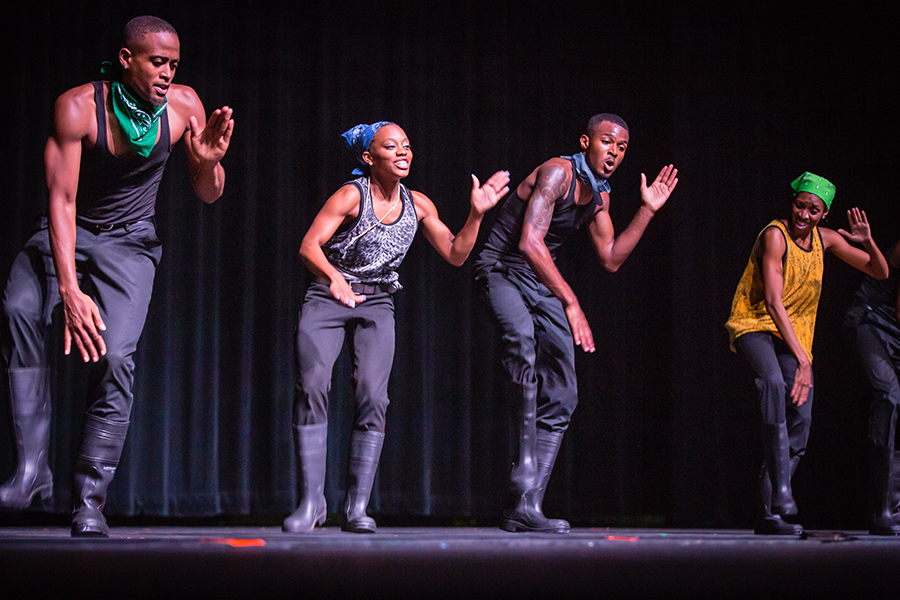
x: 802, y: 289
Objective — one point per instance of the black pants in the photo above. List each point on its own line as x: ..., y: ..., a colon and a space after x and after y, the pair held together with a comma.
x: 774, y: 367
x: 323, y: 325
x: 117, y: 268
x: 538, y: 348
x: 876, y: 342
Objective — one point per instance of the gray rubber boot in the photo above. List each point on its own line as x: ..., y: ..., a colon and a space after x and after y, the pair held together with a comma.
x: 311, y: 445
x: 365, y: 452
x: 101, y: 448
x: 530, y: 473
x: 29, y: 395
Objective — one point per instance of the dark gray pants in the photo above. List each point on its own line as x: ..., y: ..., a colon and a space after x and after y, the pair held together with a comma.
x: 538, y: 349
x: 877, y: 345
x: 774, y: 367
x: 117, y: 269
x: 323, y: 325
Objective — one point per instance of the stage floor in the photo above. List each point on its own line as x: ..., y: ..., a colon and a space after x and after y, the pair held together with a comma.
x: 444, y: 562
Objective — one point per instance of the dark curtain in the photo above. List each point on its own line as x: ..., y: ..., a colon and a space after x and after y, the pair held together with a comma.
x: 741, y: 97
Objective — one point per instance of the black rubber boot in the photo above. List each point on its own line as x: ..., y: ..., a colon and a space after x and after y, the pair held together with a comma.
x: 768, y: 523
x: 365, y: 451
x: 311, y: 444
x: 101, y: 449
x: 529, y: 478
x: 882, y: 520
x: 29, y: 399
x: 546, y: 449
x: 777, y: 452
x: 895, y: 485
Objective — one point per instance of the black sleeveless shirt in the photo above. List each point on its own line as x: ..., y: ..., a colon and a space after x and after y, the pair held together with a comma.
x: 502, y: 245
x: 880, y: 295
x: 115, y: 189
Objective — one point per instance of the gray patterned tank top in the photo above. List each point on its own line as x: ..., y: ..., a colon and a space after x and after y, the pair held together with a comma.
x: 370, y: 251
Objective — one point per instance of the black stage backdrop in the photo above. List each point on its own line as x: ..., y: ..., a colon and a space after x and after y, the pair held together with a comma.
x: 741, y: 101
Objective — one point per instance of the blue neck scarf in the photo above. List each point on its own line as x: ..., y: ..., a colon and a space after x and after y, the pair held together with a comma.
x: 358, y: 138
x: 587, y: 176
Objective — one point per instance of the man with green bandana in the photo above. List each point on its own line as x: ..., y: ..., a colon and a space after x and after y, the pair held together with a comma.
x: 95, y: 253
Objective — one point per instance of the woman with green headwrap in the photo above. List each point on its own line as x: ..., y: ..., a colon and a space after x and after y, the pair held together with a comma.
x: 772, y: 321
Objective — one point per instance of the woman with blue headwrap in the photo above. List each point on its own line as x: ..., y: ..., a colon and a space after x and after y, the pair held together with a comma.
x: 354, y: 247
x: 773, y: 317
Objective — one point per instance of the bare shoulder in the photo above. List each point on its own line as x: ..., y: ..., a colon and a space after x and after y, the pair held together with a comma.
x: 830, y: 237
x: 893, y: 256
x: 772, y: 236
x: 770, y: 242
x: 554, y: 168
x: 344, y: 202
x: 551, y: 178
x: 184, y: 100
x: 184, y: 103
x: 74, y: 113
x: 424, y: 205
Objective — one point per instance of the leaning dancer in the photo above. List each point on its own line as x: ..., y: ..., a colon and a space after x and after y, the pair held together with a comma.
x: 104, y: 162
x: 354, y: 247
x: 537, y: 312
x: 873, y: 324
x: 773, y: 317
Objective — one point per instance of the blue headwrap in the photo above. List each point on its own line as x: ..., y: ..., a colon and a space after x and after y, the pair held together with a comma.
x: 358, y: 138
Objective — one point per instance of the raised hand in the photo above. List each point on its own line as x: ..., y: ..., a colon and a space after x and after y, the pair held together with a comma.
x: 656, y: 194
x: 484, y: 197
x: 859, y: 227
x: 210, y: 143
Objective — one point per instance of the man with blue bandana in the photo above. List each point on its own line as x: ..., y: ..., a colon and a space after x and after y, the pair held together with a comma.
x: 536, y: 310
x: 95, y: 254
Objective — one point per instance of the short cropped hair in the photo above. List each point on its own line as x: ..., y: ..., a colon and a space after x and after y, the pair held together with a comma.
x: 139, y: 27
x: 595, y: 121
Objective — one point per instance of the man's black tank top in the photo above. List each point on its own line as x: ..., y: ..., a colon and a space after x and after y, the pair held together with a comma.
x: 119, y: 189
x: 502, y: 244
x: 881, y: 296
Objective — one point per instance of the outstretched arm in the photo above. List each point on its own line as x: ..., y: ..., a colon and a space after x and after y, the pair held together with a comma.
x: 62, y: 160
x: 206, y: 147
x: 771, y: 252
x: 550, y: 186
x: 455, y: 249
x: 342, y: 204
x: 613, y: 250
x: 870, y: 260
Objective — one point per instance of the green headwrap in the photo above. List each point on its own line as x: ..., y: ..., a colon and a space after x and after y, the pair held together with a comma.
x: 140, y: 120
x: 814, y: 184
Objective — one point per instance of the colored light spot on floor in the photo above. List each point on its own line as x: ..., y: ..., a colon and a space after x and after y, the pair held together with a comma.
x: 235, y: 543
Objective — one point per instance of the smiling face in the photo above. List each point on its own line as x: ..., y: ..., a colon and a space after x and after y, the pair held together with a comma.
x: 389, y: 153
x: 605, y: 147
x: 149, y: 64
x: 806, y: 212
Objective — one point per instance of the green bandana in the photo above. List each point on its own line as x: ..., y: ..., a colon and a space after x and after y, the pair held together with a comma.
x: 814, y: 184
x: 139, y: 119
